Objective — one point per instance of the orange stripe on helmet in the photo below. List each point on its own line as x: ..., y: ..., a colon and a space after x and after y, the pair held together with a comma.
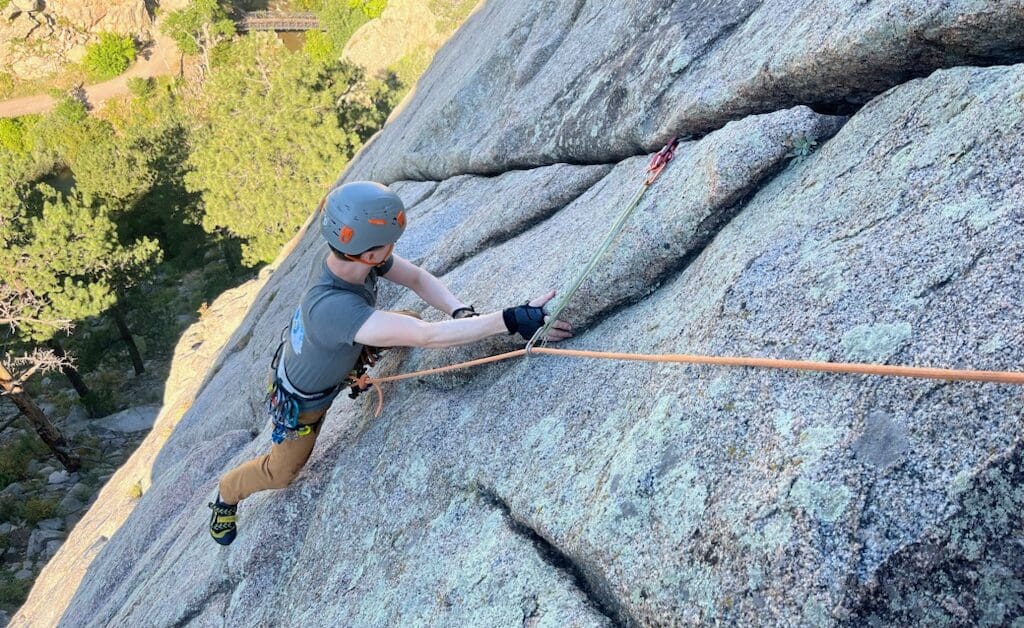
x: 346, y: 234
x: 378, y: 221
x: 401, y: 219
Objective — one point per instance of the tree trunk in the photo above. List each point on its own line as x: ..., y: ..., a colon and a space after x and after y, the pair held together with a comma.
x: 229, y: 257
x: 126, y: 336
x: 46, y: 430
x: 70, y: 372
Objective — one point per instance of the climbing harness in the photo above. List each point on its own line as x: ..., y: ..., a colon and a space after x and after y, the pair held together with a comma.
x: 284, y: 403
x: 658, y: 163
x: 654, y: 169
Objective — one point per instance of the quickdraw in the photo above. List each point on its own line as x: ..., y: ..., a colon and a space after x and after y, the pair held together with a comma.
x: 660, y: 160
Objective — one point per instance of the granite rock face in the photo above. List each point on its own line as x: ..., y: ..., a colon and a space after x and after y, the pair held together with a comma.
x: 128, y: 17
x: 550, y: 491
x: 524, y: 84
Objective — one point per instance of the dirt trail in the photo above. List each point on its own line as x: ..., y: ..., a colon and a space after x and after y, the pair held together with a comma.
x: 160, y: 59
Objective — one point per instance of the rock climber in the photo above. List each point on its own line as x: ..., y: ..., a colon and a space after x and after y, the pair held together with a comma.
x: 336, y: 327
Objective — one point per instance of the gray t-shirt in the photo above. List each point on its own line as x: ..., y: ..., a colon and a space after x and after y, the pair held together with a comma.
x: 321, y: 349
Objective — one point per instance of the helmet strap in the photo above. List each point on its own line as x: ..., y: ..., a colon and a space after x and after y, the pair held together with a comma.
x: 353, y: 258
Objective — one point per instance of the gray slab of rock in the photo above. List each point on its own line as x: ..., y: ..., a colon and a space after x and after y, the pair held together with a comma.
x: 24, y: 574
x: 696, y: 194
x: 413, y: 192
x: 5, y: 528
x: 557, y: 81
x: 14, y: 489
x: 57, y: 477
x: 38, y: 540
x: 51, y: 548
x: 131, y: 420
x: 80, y: 490
x: 50, y: 524
x: 70, y: 504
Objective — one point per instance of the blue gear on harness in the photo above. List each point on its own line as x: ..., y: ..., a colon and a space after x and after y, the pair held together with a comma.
x: 284, y: 406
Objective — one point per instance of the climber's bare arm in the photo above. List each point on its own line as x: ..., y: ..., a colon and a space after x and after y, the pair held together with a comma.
x: 386, y: 329
x: 426, y: 285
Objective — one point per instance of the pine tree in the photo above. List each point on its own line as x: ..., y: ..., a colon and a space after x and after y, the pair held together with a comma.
x: 277, y: 129
x: 200, y: 28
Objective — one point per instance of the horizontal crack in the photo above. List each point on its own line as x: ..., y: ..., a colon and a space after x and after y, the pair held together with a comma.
x: 596, y: 593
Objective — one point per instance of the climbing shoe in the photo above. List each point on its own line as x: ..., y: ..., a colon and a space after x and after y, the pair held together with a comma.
x: 222, y: 522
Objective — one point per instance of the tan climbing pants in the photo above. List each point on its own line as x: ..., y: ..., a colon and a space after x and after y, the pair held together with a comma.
x: 276, y: 469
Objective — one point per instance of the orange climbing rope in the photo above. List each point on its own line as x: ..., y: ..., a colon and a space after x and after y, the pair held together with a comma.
x: 658, y: 163
x: 999, y: 377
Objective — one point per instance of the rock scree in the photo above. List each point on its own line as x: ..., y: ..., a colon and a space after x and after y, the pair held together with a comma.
x: 849, y: 189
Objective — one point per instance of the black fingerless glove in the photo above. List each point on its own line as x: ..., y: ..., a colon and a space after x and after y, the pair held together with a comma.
x: 465, y: 312
x: 524, y: 319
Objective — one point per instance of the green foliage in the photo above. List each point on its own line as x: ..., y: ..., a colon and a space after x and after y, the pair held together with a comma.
x: 15, y: 456
x: 141, y: 88
x: 199, y: 27
x: 13, y: 592
x: 12, y: 135
x: 278, y: 129
x: 110, y: 56
x: 800, y: 147
x: 135, y: 490
x: 450, y: 13
x: 319, y: 47
x: 36, y: 509
x: 411, y: 66
x: 71, y: 259
x: 340, y: 19
x: 6, y: 83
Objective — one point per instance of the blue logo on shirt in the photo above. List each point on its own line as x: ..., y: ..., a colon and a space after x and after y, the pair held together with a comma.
x: 298, y: 332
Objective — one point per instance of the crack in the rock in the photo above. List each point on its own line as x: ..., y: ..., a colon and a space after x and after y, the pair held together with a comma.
x: 704, y: 234
x: 597, y: 593
x: 847, y: 104
x: 225, y: 586
x: 501, y: 237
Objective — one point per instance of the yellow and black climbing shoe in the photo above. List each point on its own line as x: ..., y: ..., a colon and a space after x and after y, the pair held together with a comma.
x: 222, y: 522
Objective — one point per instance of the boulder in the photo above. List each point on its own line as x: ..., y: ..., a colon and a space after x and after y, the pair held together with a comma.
x: 29, y: 6
x: 50, y: 524
x: 38, y: 540
x: 136, y: 419
x: 404, y: 27
x: 51, y: 549
x: 70, y: 505
x: 57, y: 477
x: 128, y: 17
x: 21, y: 27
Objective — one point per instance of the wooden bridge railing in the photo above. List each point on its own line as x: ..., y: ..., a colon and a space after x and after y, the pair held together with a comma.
x: 273, y: 21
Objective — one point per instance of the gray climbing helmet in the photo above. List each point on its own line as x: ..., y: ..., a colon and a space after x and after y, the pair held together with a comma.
x: 361, y: 215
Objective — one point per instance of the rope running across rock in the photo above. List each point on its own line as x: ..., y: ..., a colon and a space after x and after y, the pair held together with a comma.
x: 658, y: 163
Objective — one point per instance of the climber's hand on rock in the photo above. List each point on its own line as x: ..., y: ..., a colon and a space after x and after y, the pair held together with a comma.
x: 527, y: 319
